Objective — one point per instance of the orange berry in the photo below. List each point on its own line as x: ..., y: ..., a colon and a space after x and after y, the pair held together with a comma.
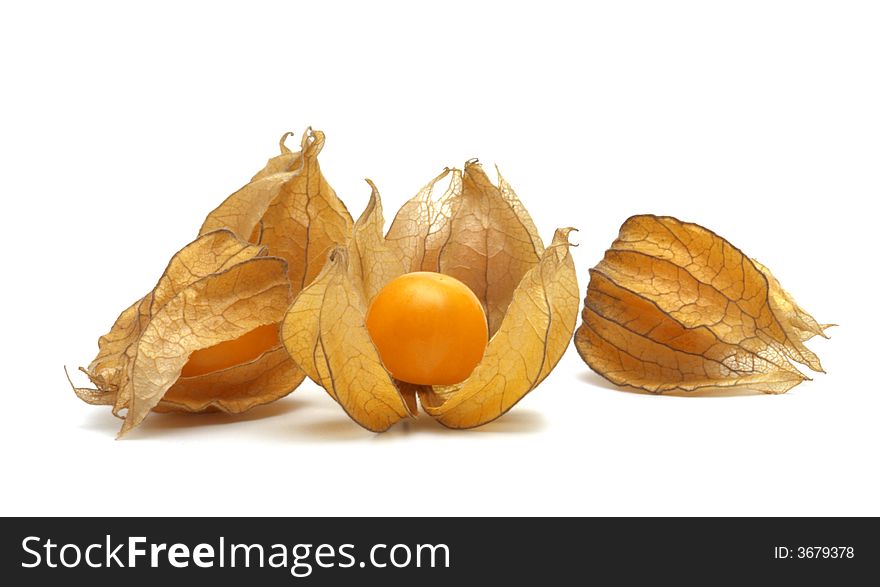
x: 429, y: 328
x: 229, y: 353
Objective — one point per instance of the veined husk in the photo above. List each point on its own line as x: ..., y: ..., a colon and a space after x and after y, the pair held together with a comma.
x: 254, y: 253
x: 476, y: 232
x: 291, y: 209
x: 673, y: 307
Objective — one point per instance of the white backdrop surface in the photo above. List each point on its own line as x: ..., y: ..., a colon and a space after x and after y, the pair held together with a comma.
x: 123, y: 125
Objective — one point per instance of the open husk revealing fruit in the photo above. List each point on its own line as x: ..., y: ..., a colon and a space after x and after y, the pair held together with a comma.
x: 673, y: 307
x: 206, y: 337
x: 476, y: 232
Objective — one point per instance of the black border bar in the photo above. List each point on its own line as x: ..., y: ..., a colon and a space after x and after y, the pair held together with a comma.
x: 498, y: 551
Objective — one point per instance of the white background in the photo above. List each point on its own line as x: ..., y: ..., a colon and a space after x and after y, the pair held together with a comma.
x: 123, y: 126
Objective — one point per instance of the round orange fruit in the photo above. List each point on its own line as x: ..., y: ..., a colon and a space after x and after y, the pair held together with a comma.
x: 229, y: 353
x: 429, y: 328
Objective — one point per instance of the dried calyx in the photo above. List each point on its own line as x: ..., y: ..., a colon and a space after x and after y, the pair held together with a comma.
x: 673, y: 307
x: 222, y: 297
x: 477, y: 232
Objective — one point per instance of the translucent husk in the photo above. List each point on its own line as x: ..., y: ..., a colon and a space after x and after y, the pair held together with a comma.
x: 477, y: 232
x: 254, y: 253
x: 673, y: 307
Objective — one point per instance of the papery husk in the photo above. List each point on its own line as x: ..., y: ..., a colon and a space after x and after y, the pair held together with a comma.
x: 535, y: 331
x: 290, y: 209
x: 262, y: 244
x: 673, y: 307
x: 476, y: 232
x: 325, y: 333
x: 215, y: 289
